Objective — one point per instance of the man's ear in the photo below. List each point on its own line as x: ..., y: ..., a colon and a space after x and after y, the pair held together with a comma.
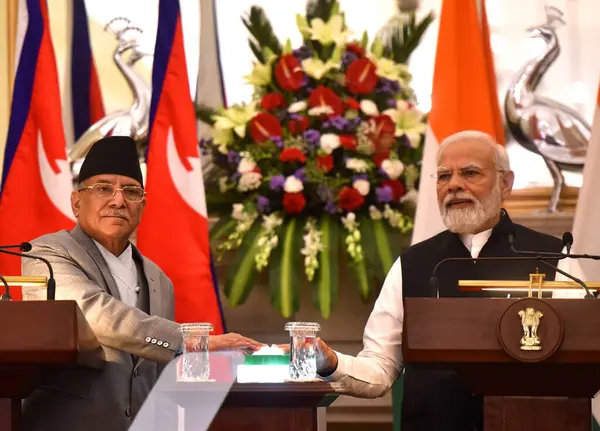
x: 508, y: 179
x: 75, y: 202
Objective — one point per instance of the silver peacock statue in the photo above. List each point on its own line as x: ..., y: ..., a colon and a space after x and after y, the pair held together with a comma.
x: 556, y: 132
x: 132, y: 121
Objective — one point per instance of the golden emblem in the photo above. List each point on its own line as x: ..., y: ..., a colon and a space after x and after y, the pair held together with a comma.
x: 530, y: 319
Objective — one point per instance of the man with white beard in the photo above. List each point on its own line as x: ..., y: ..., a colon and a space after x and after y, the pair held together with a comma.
x: 473, y: 179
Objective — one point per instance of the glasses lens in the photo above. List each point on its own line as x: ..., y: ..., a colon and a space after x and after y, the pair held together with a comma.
x: 133, y: 194
x: 103, y: 191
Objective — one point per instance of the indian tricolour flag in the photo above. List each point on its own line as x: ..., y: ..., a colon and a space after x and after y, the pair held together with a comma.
x: 464, y: 97
x: 586, y: 229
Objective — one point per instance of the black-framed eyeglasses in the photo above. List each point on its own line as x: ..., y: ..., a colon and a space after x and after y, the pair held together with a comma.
x: 107, y: 191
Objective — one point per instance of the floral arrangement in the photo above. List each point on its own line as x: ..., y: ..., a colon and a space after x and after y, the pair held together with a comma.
x: 324, y: 158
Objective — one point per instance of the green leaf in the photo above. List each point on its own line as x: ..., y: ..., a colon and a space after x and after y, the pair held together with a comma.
x: 287, y: 48
x: 261, y: 30
x: 364, y: 41
x: 367, y: 239
x: 320, y: 9
x: 402, y: 39
x: 325, y: 284
x: 205, y: 114
x: 285, y: 267
x: 242, y: 269
x: 383, y: 245
x: 222, y: 228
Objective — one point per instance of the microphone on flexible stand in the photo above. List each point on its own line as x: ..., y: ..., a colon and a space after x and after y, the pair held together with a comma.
x: 548, y: 254
x: 51, y: 285
x: 568, y: 242
x: 434, y: 281
x: 6, y: 295
x: 24, y: 246
x: 435, y: 285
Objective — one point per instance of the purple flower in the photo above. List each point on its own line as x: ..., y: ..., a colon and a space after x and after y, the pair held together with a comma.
x: 330, y: 207
x: 262, y: 204
x: 276, y: 183
x: 360, y: 177
x: 295, y: 117
x: 300, y: 174
x: 385, y: 85
x: 277, y: 141
x: 384, y: 194
x: 233, y: 157
x: 340, y: 123
x: 311, y: 136
x: 348, y: 57
x: 235, y: 177
x: 302, y: 53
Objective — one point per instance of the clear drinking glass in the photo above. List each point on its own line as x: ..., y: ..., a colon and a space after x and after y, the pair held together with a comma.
x: 303, y: 361
x: 195, y: 363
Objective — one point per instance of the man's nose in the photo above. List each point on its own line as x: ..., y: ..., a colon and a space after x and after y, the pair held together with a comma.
x: 117, y: 201
x: 456, y: 183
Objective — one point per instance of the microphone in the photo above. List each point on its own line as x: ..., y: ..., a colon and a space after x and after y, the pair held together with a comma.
x: 567, y: 240
x: 567, y: 236
x: 24, y: 246
x: 51, y: 287
x: 434, y: 281
x: 6, y: 295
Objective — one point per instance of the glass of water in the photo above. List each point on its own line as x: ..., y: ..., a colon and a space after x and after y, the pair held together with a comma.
x: 303, y: 361
x: 195, y: 363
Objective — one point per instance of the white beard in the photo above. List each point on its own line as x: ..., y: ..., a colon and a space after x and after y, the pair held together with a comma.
x: 470, y: 220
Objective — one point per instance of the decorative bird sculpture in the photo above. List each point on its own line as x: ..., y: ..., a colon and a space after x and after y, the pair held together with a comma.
x: 558, y: 133
x: 133, y: 121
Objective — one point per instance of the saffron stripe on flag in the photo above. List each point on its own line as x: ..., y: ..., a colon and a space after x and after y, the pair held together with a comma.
x: 464, y: 97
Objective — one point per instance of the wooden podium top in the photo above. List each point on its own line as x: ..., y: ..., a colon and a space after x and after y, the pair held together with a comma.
x: 47, y: 333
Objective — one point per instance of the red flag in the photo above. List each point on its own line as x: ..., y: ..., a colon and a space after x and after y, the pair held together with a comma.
x: 36, y: 180
x: 174, y: 229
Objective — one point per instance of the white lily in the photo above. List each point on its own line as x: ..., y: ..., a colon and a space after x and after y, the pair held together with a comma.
x: 391, y: 70
x: 317, y: 68
x: 222, y: 138
x: 328, y: 32
x: 408, y: 121
x: 260, y: 75
x: 236, y: 118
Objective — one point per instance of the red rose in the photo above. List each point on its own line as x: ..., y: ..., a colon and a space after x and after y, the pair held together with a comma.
x: 298, y: 126
x: 361, y: 77
x: 292, y: 155
x: 293, y: 203
x: 288, y: 73
x: 352, y: 104
x: 325, y: 162
x: 356, y: 49
x: 272, y: 101
x: 398, y: 189
x: 348, y: 142
x: 350, y: 199
x: 263, y: 126
x: 323, y: 96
